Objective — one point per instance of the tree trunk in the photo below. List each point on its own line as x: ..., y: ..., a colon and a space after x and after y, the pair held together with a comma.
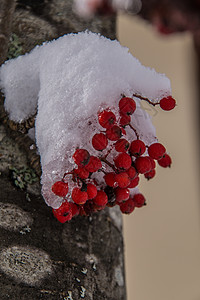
x: 39, y: 257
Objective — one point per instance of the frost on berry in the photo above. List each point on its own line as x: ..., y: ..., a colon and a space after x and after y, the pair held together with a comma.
x: 93, y: 136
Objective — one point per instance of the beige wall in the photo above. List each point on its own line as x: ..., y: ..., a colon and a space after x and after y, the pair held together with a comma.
x: 162, y: 240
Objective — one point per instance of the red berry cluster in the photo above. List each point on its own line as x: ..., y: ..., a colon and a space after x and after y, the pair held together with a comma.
x: 121, y: 161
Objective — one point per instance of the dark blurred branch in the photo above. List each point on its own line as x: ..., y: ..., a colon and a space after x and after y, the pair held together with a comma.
x: 7, y: 8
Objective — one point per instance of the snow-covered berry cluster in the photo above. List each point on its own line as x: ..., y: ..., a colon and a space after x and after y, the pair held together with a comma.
x: 119, y: 163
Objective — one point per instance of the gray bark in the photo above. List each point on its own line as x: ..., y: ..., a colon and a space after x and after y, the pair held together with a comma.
x: 39, y: 257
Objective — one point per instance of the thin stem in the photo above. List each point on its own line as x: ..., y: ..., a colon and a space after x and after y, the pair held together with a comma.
x: 145, y: 99
x: 108, y: 163
x: 137, y: 135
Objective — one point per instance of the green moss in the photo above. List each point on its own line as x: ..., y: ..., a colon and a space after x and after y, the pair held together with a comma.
x: 22, y: 177
x: 14, y: 47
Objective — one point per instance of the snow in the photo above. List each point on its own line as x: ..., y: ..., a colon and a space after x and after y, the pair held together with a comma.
x: 67, y: 81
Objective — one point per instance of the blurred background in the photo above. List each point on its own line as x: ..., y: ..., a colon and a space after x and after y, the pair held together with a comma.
x: 162, y: 240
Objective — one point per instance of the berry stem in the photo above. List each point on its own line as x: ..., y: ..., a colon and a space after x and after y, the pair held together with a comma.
x: 108, y: 163
x: 145, y: 99
x: 137, y: 135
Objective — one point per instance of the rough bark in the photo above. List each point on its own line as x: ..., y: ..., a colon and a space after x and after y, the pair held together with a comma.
x: 39, y: 257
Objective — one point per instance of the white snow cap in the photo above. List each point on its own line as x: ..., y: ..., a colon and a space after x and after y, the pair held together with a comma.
x: 88, y: 8
x: 67, y: 81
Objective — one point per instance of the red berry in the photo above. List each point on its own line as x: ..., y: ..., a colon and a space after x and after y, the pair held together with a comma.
x: 123, y: 131
x: 156, y: 151
x: 153, y: 163
x: 75, y: 209
x: 114, y: 133
x: 123, y: 161
x: 150, y: 174
x: 143, y: 164
x: 137, y: 148
x: 99, y: 141
x: 81, y: 173
x: 122, y: 145
x: 128, y: 206
x: 63, y: 213
x: 106, y: 119
x: 131, y: 172
x: 127, y: 105
x: 139, y: 200
x: 78, y: 196
x: 60, y: 188
x: 134, y: 182
x: 81, y: 157
x: 121, y: 194
x: 165, y: 161
x: 167, y: 103
x: 101, y: 198
x: 110, y: 179
x: 124, y: 120
x: 122, y: 179
x: 94, y: 164
x: 91, y: 190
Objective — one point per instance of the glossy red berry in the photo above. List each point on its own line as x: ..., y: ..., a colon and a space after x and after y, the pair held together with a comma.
x: 122, y: 145
x: 63, y: 213
x: 131, y: 172
x: 94, y: 164
x: 128, y: 206
x: 149, y: 175
x: 123, y: 161
x: 156, y: 151
x: 110, y: 179
x: 60, y: 188
x: 91, y: 190
x: 81, y: 173
x: 127, y: 105
x: 121, y: 195
x: 114, y: 133
x: 122, y: 179
x: 153, y: 163
x: 143, y: 164
x: 106, y: 118
x: 101, y: 198
x: 134, y: 182
x: 75, y: 209
x: 167, y: 103
x: 139, y: 200
x: 124, y: 120
x: 81, y: 157
x: 165, y: 161
x: 137, y: 148
x: 99, y: 141
x: 78, y: 196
